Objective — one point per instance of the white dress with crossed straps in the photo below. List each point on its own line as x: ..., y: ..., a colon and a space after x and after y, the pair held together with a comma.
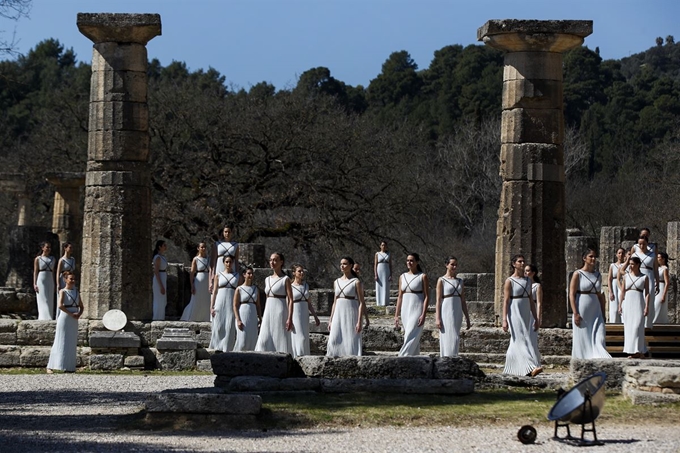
x: 246, y: 339
x: 647, y: 268
x: 634, y: 314
x: 661, y: 309
x: 67, y: 264
x: 343, y: 339
x: 273, y: 334
x: 534, y: 333
x: 300, y: 334
x: 45, y: 282
x: 614, y: 315
x: 64, y: 349
x: 160, y: 301
x: 412, y: 300
x: 451, y: 315
x: 588, y: 339
x: 225, y: 248
x: 223, y: 335
x: 198, y: 309
x: 382, y: 284
x: 522, y: 357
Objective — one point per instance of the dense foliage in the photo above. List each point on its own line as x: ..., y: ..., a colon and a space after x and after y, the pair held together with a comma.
x: 326, y: 168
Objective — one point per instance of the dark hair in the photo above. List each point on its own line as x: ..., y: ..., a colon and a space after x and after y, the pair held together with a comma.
x: 281, y: 257
x: 159, y: 244
x: 636, y: 260
x: 199, y: 245
x: 513, y: 260
x: 220, y: 234
x: 417, y: 258
x: 449, y: 258
x: 351, y: 265
x: 295, y: 266
x: 534, y: 269
x: 383, y: 241
x: 64, y: 245
x: 645, y: 229
x: 66, y: 274
x: 248, y: 268
x: 664, y: 256
x: 587, y: 252
x: 227, y: 256
x: 42, y: 246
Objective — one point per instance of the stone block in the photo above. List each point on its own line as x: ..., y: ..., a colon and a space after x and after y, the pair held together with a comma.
x: 121, y: 199
x: 269, y: 364
x: 318, y: 343
x: 106, y: 362
x: 485, y: 287
x: 36, y: 333
x: 118, y: 145
x: 203, y: 337
x: 13, y: 302
x: 322, y: 301
x: 118, y: 86
x: 615, y: 368
x: 175, y: 338
x: 611, y: 238
x: 300, y: 385
x: 640, y: 397
x: 117, y: 116
x: 400, y: 386
x: 254, y: 384
x: 469, y: 283
x: 381, y: 338
x: 367, y: 367
x: 523, y: 125
x: 204, y: 403
x: 10, y: 356
x: 176, y: 360
x: 532, y: 94
x: 105, y: 340
x: 252, y: 255
x: 533, y: 66
x: 134, y: 361
x: 8, y: 338
x: 482, y: 314
x: 204, y: 365
x: 653, y: 376
x: 484, y: 340
x: 34, y: 356
x: 112, y: 56
x: 456, y: 368
x: 532, y: 161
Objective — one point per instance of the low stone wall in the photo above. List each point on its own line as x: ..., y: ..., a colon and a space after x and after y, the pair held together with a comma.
x: 616, y: 369
x: 652, y: 384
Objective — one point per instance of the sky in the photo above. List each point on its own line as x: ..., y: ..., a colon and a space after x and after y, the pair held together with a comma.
x: 250, y: 41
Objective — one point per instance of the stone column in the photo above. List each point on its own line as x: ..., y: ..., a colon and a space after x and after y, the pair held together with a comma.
x: 611, y: 238
x: 16, y: 183
x: 673, y: 246
x: 67, y: 218
x: 531, y: 218
x: 116, y: 256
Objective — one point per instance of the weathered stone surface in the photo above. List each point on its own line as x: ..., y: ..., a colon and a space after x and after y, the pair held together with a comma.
x: 114, y: 340
x: 654, y: 376
x: 9, y: 326
x: 456, y: 368
x: 118, y: 116
x: 580, y: 28
x: 119, y: 28
x: 527, y: 161
x: 12, y: 302
x: 534, y: 35
x: 176, y: 360
x: 640, y: 397
x: 38, y: 333
x: 10, y: 356
x: 176, y: 338
x: 300, y: 384
x: 269, y: 364
x: 615, y: 368
x: 204, y: 365
x: 254, y: 384
x: 366, y: 367
x: 672, y: 246
x: 532, y: 94
x: 485, y: 287
x: 35, y: 356
x: 482, y: 314
x: 542, y: 381
x: 318, y: 343
x: 522, y: 125
x: 322, y: 301
x: 399, y: 386
x: 150, y: 360
x: 382, y: 339
x: 532, y: 66
x: 117, y: 86
x: 106, y: 362
x: 114, y: 144
x: 252, y: 255
x: 134, y: 361
x: 204, y: 403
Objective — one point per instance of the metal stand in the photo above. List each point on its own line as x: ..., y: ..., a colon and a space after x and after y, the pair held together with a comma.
x: 587, y: 406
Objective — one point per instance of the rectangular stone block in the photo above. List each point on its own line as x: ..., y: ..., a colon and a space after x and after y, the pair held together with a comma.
x: 204, y: 365
x: 532, y: 161
x: 533, y: 66
x: 523, y: 125
x: 469, y: 284
x: 9, y: 326
x: 10, y: 356
x: 532, y: 94
x: 118, y: 116
x: 113, y: 56
x: 485, y: 287
x: 35, y: 356
x: 481, y: 313
x: 270, y: 364
x: 366, y: 367
x: 134, y: 361
x: 322, y: 301
x: 118, y: 145
x: 106, y: 362
x: 114, y: 340
x: 672, y: 245
x: 173, y: 360
x: 204, y: 403
x: 252, y: 255
x: 118, y: 86
x: 400, y: 386
x: 8, y: 338
x: 36, y: 333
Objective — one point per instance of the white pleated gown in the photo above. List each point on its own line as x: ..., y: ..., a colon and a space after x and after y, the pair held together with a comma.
x: 63, y: 355
x: 521, y: 358
x: 451, y: 315
x: 198, y: 309
x: 382, y: 285
x: 223, y: 335
x: 412, y: 300
x: 634, y: 314
x: 299, y: 336
x: 246, y: 339
x: 67, y: 264
x: 661, y: 309
x: 45, y: 282
x: 534, y: 333
x: 588, y: 339
x: 647, y: 268
x: 343, y: 339
x: 614, y: 316
x: 225, y: 248
x: 273, y: 334
x: 160, y: 301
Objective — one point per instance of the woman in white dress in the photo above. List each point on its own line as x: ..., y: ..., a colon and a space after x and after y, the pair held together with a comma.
x: 648, y: 267
x: 531, y: 272
x: 67, y: 262
x: 412, y: 304
x: 221, y: 248
x: 382, y: 269
x: 63, y: 355
x: 348, y: 309
x: 660, y: 301
x: 635, y: 290
x: 247, y: 312
x: 223, y: 335
x: 160, y: 281
x: 44, y: 282
x: 450, y: 309
x: 519, y: 317
x: 588, y: 305
x: 614, y: 289
x: 198, y: 309
x: 277, y: 320
x: 302, y: 307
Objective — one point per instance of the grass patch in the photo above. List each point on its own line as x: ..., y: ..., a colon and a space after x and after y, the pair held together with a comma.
x: 114, y: 372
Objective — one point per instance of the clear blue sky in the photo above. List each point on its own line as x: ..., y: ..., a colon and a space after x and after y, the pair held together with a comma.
x: 249, y: 41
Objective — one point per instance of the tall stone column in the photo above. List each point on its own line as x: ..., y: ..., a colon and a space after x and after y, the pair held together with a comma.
x: 67, y: 218
x: 116, y: 256
x: 531, y: 218
x: 673, y: 246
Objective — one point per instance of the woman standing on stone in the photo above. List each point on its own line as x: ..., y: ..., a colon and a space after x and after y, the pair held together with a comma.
x: 67, y: 262
x: 588, y: 305
x: 198, y: 309
x: 43, y: 282
x: 302, y: 307
x: 635, y: 291
x: 160, y: 280
x: 247, y: 312
x: 450, y: 309
x: 648, y: 267
x: 614, y: 289
x: 223, y: 335
x: 348, y: 308
x: 660, y: 301
x: 221, y: 248
x: 519, y: 316
x: 382, y: 269
x: 531, y: 272
x: 412, y: 304
x: 64, y: 350
x: 277, y: 320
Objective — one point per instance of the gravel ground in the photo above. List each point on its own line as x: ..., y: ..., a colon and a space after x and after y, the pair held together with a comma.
x: 74, y: 412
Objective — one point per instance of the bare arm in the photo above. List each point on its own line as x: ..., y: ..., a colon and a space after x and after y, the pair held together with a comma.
x: 237, y: 305
x: 59, y: 274
x: 532, y: 308
x: 507, y: 286
x: 666, y: 280
x: 649, y: 289
x: 36, y: 270
x: 192, y: 275
x: 438, y: 304
x: 289, y: 296
x: 539, y: 305
x: 312, y: 310
x: 362, y: 305
x: 426, y: 300
x: 464, y: 306
x: 216, y: 285
x: 398, y: 308
x: 375, y: 266
x: 610, y: 282
x: 573, y: 288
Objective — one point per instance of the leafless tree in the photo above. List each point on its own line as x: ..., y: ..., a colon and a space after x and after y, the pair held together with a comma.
x: 12, y: 10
